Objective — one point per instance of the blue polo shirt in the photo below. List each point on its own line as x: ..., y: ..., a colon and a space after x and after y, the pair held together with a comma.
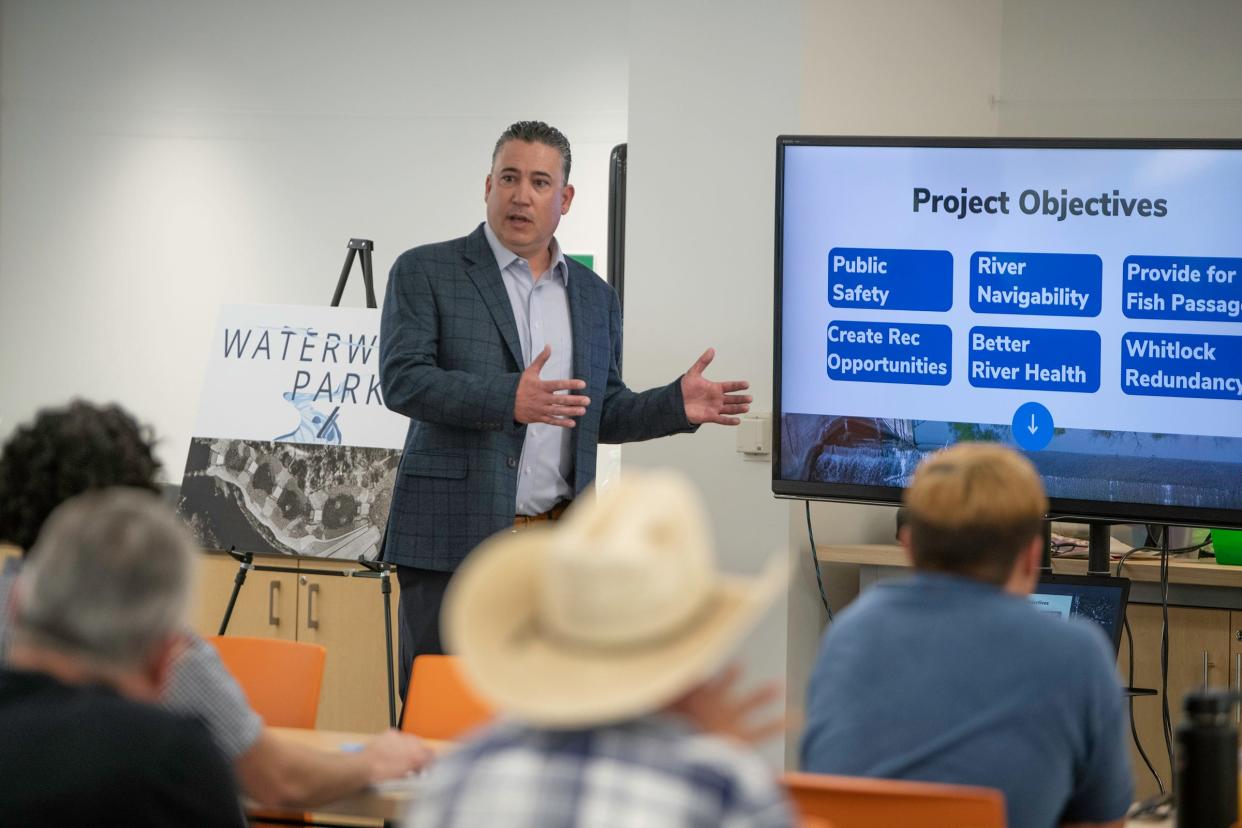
x: 947, y: 679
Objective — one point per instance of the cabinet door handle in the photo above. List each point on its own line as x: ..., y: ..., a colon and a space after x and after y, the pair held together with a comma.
x: 273, y: 595
x: 1206, y: 664
x: 1237, y: 685
x: 312, y: 618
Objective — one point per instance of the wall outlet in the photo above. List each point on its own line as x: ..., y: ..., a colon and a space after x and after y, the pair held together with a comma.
x: 754, y: 434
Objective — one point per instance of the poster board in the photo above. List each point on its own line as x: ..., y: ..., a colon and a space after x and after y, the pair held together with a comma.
x: 293, y: 451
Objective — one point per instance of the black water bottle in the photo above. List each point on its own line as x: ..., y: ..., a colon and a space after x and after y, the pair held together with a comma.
x: 1207, y: 762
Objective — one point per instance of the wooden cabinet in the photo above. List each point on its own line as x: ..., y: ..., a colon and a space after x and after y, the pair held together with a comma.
x: 345, y: 614
x: 266, y: 606
x: 1235, y: 660
x: 1200, y: 648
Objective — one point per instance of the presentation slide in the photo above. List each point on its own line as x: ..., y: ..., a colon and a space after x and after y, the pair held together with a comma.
x: 1078, y: 303
x: 1059, y: 605
x: 1102, y: 604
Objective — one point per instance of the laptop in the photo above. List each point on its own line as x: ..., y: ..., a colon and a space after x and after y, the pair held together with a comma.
x: 1098, y: 598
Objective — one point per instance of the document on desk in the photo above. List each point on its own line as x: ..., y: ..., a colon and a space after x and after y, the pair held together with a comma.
x: 407, y: 785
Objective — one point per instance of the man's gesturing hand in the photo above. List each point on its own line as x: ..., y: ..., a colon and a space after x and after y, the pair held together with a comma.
x: 538, y: 400
x: 712, y: 402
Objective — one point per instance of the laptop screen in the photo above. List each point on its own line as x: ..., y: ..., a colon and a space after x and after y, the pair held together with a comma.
x: 1098, y: 598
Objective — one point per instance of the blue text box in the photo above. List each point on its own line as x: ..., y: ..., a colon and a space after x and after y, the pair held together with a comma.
x: 1198, y: 288
x: 1034, y: 359
x: 876, y: 277
x: 1182, y: 365
x: 890, y: 352
x: 1036, y: 284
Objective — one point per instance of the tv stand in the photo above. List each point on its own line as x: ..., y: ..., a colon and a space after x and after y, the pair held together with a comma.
x: 1099, y: 542
x: 1045, y: 563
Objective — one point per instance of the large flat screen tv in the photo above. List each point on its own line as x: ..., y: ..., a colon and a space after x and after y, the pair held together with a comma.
x: 1080, y: 300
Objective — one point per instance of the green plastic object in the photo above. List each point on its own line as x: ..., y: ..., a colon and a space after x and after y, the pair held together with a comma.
x: 1228, y: 546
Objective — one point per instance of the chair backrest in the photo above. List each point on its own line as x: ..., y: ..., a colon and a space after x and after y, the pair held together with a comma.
x: 440, y: 703
x: 281, y: 679
x: 814, y: 822
x: 854, y: 802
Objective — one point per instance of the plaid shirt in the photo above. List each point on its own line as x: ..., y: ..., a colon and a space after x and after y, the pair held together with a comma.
x: 200, y: 685
x: 651, y: 772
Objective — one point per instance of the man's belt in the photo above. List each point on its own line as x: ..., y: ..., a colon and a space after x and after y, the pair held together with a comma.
x: 523, y: 521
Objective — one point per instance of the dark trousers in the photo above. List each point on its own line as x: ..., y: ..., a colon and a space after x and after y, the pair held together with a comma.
x: 422, y: 592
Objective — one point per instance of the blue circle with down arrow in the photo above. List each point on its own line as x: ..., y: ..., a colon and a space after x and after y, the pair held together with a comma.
x: 1032, y: 426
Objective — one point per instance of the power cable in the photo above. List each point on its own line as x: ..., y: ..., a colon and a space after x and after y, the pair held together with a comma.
x: 819, y: 577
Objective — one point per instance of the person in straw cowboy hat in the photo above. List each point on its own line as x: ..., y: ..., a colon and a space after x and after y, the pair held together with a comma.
x: 591, y: 639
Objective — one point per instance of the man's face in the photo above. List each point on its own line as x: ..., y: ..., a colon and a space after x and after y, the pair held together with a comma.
x: 526, y: 196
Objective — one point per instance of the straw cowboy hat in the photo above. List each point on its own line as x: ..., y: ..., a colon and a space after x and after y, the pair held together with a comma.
x: 612, y: 614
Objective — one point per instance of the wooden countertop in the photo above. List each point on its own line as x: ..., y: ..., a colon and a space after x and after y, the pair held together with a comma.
x: 334, y: 740
x: 1201, y: 572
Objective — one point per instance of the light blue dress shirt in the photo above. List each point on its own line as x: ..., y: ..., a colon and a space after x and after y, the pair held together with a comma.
x: 541, y: 312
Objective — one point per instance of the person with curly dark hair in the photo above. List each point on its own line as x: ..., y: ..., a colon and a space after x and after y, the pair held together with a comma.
x: 66, y: 451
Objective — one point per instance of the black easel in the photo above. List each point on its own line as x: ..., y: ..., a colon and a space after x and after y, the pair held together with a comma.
x: 370, y: 569
x: 363, y: 246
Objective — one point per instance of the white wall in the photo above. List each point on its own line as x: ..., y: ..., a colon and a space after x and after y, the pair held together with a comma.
x: 1134, y: 68
x: 159, y: 159
x: 711, y: 85
x: 894, y: 67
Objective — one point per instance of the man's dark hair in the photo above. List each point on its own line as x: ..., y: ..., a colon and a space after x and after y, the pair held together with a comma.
x: 64, y: 452
x: 536, y: 132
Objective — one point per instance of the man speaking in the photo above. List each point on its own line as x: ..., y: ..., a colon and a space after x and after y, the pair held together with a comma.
x: 504, y: 354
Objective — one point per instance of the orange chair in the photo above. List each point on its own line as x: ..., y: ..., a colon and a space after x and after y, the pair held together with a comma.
x: 281, y: 679
x: 440, y: 703
x: 814, y: 822
x: 854, y: 802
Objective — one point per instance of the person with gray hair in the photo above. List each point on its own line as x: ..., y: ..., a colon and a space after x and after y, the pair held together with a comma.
x: 84, y: 447
x: 123, y: 564
x: 97, y: 621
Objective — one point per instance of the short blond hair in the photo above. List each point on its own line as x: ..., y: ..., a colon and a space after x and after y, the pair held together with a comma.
x: 972, y: 508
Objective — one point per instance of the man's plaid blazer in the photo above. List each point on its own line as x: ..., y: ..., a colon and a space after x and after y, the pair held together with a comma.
x: 450, y: 360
